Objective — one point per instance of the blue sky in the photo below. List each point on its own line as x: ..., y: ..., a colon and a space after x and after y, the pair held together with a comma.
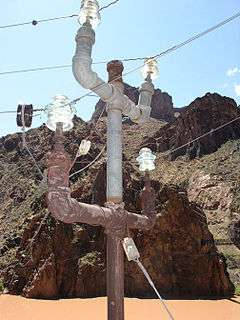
x: 131, y: 28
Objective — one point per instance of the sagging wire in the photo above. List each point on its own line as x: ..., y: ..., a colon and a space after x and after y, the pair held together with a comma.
x: 64, y: 66
x: 29, y: 247
x: 24, y: 142
x: 109, y: 5
x: 12, y: 112
x: 35, y: 69
x: 163, y: 53
x: 87, y: 138
x: 35, y: 22
x: 167, y: 153
x: 198, y: 138
x: 90, y: 164
x: 157, y: 56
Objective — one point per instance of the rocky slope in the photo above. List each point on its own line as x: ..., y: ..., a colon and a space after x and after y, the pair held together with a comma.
x: 197, y: 232
x: 202, y: 115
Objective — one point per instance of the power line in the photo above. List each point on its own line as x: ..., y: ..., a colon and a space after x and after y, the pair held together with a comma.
x: 64, y: 66
x: 90, y: 164
x: 35, y: 69
x: 174, y: 48
x: 161, y: 54
x: 109, y: 5
x: 6, y: 112
x: 199, y: 35
x: 200, y: 137
x: 167, y: 152
x: 11, y: 111
x: 36, y: 22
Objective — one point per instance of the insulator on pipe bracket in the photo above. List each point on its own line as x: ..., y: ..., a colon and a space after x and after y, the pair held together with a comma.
x: 24, y: 115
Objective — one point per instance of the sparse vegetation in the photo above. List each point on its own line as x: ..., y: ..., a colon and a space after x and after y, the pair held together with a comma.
x: 237, y: 290
x: 1, y: 286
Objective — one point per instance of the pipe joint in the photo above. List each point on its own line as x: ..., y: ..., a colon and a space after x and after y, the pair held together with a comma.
x: 116, y: 100
x: 83, y: 73
x: 147, y: 87
x: 85, y: 33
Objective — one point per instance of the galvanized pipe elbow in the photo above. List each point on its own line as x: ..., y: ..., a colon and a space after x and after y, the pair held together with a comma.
x: 82, y: 64
x: 88, y: 79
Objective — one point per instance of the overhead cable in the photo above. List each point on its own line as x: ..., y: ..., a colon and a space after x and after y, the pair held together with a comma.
x: 35, y: 69
x: 163, y: 53
x: 199, y: 35
x: 64, y: 66
x: 200, y: 137
x: 11, y: 111
x: 36, y: 22
x: 90, y: 164
x: 167, y: 152
x: 109, y: 5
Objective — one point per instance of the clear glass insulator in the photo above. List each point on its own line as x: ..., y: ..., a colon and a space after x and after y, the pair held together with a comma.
x: 146, y: 159
x: 90, y: 12
x: 60, y: 110
x: 150, y: 68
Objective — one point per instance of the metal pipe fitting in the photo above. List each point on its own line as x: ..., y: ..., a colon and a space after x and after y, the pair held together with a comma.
x: 88, y: 79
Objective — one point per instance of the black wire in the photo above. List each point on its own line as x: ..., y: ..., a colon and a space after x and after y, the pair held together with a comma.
x: 199, y: 35
x: 109, y: 5
x: 5, y: 112
x: 36, y: 22
x: 161, y: 54
x: 64, y: 66
x: 11, y: 111
x: 35, y: 69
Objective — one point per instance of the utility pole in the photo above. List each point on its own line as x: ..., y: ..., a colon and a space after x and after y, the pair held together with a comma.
x: 115, y: 254
x: 113, y: 217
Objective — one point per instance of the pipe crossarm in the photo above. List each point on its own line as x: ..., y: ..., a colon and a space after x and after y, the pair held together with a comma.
x: 68, y: 210
x: 141, y: 222
x: 88, y: 79
x: 60, y: 203
x: 115, y: 219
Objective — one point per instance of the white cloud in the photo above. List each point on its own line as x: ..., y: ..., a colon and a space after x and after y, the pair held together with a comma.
x: 237, y: 89
x: 232, y: 72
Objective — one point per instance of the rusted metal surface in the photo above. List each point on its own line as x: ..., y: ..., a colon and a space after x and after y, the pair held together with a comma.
x: 115, y: 69
x: 113, y: 217
x: 148, y: 198
x: 115, y: 278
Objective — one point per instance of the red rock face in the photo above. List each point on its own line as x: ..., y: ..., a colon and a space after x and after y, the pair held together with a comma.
x: 69, y: 260
x: 56, y: 260
x: 201, y: 116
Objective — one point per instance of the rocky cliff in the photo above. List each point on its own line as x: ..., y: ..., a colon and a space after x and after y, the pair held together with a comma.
x: 202, y: 115
x: 195, y: 243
